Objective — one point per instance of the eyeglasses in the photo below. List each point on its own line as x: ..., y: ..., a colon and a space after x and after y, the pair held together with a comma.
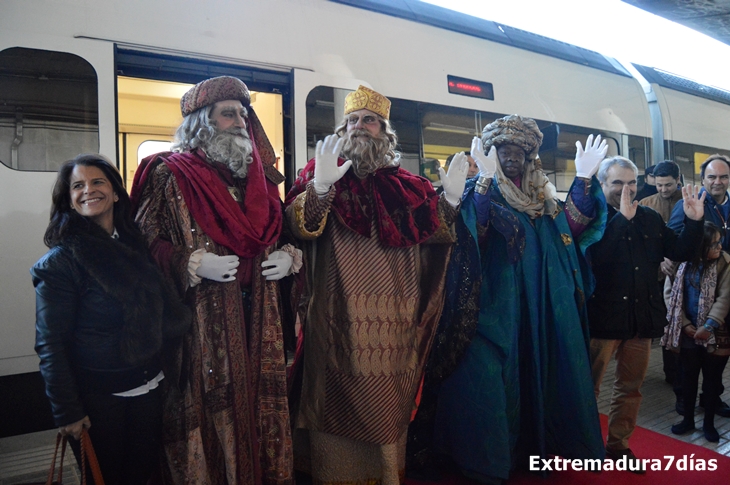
x: 366, y: 119
x: 717, y: 245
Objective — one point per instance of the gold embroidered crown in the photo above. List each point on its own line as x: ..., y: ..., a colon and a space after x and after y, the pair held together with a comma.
x: 366, y: 98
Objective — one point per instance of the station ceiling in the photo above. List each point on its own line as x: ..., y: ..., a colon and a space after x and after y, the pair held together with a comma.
x: 711, y: 17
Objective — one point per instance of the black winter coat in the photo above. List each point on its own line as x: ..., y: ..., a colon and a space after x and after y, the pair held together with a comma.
x: 628, y: 299
x: 102, y: 312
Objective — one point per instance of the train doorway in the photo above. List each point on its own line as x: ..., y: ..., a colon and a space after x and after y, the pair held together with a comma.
x: 149, y: 87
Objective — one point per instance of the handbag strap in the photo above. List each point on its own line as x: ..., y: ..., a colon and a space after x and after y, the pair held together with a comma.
x: 87, y: 453
x: 59, y: 439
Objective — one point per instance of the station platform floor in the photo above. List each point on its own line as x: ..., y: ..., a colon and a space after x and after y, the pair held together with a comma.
x: 26, y: 458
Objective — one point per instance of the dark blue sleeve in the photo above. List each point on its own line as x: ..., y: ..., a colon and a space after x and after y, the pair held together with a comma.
x: 482, y: 203
x: 676, y: 219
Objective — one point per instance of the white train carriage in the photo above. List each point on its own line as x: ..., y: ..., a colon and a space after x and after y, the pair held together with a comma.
x: 106, y: 76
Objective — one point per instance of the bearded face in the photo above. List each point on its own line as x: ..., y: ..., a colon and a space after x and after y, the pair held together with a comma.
x: 231, y: 147
x: 368, y: 152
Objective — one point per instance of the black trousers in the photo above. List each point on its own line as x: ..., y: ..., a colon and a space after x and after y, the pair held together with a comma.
x: 126, y: 433
x: 677, y: 386
x: 694, y: 360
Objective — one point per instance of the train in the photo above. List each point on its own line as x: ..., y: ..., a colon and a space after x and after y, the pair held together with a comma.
x: 106, y: 76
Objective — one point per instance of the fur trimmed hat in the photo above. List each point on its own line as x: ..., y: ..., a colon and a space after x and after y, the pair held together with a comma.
x: 515, y: 130
x: 213, y: 90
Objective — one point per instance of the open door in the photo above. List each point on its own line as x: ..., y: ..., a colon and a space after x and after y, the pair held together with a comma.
x: 148, y: 105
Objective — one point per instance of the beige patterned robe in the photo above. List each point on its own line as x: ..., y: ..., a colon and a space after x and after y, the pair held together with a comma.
x: 371, y: 318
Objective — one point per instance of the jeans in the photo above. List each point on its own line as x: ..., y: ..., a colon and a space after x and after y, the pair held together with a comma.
x: 632, y: 360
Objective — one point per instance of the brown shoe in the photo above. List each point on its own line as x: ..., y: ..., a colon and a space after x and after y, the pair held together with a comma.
x: 633, y: 464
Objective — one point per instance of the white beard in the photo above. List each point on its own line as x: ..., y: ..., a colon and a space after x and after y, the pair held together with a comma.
x: 234, y: 151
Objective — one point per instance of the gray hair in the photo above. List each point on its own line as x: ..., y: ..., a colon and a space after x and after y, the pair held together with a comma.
x: 610, y: 162
x: 196, y: 130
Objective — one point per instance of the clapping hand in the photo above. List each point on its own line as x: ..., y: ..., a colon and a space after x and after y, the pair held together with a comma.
x: 326, y: 171
x: 487, y: 163
x: 694, y: 205
x: 587, y: 161
x: 454, y: 181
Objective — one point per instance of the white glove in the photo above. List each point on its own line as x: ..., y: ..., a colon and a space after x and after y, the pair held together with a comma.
x: 487, y: 163
x: 326, y: 171
x: 279, y: 263
x: 218, y: 268
x: 453, y: 182
x: 586, y: 162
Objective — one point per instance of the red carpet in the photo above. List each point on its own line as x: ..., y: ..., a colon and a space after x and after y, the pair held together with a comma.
x: 645, y: 444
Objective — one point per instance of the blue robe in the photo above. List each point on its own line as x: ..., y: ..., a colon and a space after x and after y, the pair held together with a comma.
x: 524, y: 386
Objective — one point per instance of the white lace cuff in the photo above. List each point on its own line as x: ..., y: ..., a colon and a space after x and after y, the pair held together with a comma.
x: 296, y: 256
x: 194, y: 262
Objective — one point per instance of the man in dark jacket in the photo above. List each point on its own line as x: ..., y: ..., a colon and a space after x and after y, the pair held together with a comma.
x: 715, y: 176
x: 649, y: 187
x: 626, y: 309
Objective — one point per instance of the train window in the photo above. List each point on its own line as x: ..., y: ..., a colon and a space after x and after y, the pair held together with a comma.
x: 689, y: 157
x: 48, y: 108
x: 428, y: 134
x: 150, y: 147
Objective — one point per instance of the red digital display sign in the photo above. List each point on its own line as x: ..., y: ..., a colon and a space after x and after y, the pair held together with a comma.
x: 469, y: 87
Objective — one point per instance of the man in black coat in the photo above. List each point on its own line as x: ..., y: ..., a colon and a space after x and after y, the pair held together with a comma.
x: 627, y: 308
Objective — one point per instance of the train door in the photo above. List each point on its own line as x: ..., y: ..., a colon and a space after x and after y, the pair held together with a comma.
x: 149, y: 87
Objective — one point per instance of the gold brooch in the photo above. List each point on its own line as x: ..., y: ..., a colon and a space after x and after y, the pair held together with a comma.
x: 235, y: 193
x: 567, y: 240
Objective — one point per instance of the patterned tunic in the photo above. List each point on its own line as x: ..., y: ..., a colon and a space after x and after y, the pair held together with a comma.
x: 369, y: 326
x: 227, y: 421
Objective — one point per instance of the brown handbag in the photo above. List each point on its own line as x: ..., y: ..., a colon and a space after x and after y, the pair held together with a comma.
x: 87, y: 455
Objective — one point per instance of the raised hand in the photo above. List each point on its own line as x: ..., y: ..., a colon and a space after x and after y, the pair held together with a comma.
x: 627, y: 208
x: 326, y: 171
x: 694, y: 205
x: 454, y: 181
x: 587, y: 161
x: 277, y: 264
x: 487, y: 163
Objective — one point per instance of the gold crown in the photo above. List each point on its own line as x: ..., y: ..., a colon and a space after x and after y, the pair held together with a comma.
x: 366, y: 98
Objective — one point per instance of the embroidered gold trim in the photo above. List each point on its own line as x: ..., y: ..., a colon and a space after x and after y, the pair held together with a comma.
x: 298, y: 206
x: 575, y: 214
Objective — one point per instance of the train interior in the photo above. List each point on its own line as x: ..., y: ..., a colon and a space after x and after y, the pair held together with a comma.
x: 149, y: 112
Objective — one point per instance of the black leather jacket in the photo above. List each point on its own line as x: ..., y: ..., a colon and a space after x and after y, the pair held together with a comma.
x: 101, y: 312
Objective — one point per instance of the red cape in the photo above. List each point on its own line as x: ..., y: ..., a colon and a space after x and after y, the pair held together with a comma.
x: 404, y: 205
x: 246, y: 231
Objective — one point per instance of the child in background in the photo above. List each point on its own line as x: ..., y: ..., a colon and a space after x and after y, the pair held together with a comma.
x: 698, y: 300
